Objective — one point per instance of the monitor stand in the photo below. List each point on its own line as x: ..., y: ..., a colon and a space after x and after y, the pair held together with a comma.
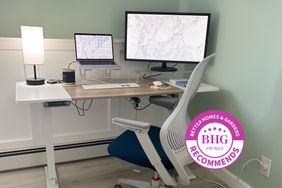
x: 164, y: 68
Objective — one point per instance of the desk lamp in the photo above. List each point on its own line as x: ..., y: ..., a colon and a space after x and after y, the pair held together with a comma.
x: 33, y: 50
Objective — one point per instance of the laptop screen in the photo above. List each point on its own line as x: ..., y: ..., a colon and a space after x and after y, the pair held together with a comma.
x: 93, y: 46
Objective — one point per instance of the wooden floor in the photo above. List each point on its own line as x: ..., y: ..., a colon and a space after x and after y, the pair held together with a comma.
x: 94, y: 173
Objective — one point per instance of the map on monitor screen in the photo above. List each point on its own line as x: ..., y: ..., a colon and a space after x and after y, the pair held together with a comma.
x: 91, y: 46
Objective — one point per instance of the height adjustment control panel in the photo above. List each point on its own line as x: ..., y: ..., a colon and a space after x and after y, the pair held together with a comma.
x: 56, y: 104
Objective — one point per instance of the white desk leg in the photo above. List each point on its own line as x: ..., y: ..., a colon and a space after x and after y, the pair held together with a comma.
x: 50, y: 170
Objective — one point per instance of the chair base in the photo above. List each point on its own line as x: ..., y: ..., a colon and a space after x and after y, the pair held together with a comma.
x: 135, y: 183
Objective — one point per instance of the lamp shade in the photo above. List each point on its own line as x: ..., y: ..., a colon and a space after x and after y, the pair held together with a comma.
x: 33, y: 45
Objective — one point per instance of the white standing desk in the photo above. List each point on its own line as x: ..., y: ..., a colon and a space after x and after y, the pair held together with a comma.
x: 41, y: 94
x: 56, y: 92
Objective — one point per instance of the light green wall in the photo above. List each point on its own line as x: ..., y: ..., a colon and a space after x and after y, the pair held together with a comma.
x: 61, y: 18
x: 248, y: 69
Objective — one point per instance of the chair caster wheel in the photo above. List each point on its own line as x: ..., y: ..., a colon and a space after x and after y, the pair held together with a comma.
x: 117, y: 186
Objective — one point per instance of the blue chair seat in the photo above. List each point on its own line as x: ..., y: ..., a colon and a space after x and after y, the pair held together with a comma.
x: 128, y: 148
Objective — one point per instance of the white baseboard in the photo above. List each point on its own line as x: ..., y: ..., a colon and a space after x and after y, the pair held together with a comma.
x: 39, y: 159
x: 230, y: 179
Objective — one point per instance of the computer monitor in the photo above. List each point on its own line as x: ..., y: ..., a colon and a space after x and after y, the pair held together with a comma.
x: 166, y: 37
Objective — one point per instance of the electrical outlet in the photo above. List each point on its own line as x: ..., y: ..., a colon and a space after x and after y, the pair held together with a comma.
x: 265, y: 168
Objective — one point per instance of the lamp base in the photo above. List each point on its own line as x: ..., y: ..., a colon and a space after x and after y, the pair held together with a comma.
x: 35, y: 82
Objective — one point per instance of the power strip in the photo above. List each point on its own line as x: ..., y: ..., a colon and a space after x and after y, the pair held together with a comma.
x: 56, y: 104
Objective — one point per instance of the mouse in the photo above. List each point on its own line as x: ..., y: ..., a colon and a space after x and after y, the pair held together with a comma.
x: 157, y: 83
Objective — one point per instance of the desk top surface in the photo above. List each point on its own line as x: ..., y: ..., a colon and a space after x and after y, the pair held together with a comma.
x: 42, y: 93
x: 78, y: 92
x: 57, y: 92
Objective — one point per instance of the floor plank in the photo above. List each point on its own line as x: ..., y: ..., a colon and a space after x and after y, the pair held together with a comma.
x: 94, y: 173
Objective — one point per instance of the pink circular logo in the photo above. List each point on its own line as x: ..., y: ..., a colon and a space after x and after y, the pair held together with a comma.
x: 214, y: 139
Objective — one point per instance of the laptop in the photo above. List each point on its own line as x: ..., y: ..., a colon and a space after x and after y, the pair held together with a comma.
x: 94, y: 51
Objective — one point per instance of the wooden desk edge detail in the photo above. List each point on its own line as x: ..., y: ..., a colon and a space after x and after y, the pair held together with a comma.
x: 78, y: 93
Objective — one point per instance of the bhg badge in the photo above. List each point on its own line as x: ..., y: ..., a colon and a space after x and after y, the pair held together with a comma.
x: 214, y: 139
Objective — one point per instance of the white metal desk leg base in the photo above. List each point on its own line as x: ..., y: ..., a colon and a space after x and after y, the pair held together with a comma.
x: 51, y: 175
x: 135, y: 183
x: 51, y: 182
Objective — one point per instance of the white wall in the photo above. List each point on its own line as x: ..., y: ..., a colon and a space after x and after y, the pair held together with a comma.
x: 21, y: 125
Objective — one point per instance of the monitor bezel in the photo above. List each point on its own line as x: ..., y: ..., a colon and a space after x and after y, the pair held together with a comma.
x: 165, y: 13
x: 93, y: 34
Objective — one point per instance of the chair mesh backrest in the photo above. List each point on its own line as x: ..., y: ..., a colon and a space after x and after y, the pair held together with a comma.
x: 174, y: 128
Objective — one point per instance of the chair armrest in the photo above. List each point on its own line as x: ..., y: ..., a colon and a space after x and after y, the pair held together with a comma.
x: 131, y: 124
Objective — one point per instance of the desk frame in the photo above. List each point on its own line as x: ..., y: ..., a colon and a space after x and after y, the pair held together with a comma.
x: 47, y: 93
x: 50, y: 169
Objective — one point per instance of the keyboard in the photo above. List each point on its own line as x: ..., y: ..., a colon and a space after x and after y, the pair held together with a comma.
x: 97, y: 62
x: 110, y: 86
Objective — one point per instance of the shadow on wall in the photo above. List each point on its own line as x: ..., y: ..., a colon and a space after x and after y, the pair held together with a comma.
x: 273, y: 112
x: 209, y: 101
x: 213, y: 33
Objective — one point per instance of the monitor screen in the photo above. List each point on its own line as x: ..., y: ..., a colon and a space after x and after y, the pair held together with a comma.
x: 166, y: 37
x: 93, y: 46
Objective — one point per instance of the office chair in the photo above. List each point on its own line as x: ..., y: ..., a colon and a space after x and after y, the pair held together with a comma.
x: 161, y: 149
